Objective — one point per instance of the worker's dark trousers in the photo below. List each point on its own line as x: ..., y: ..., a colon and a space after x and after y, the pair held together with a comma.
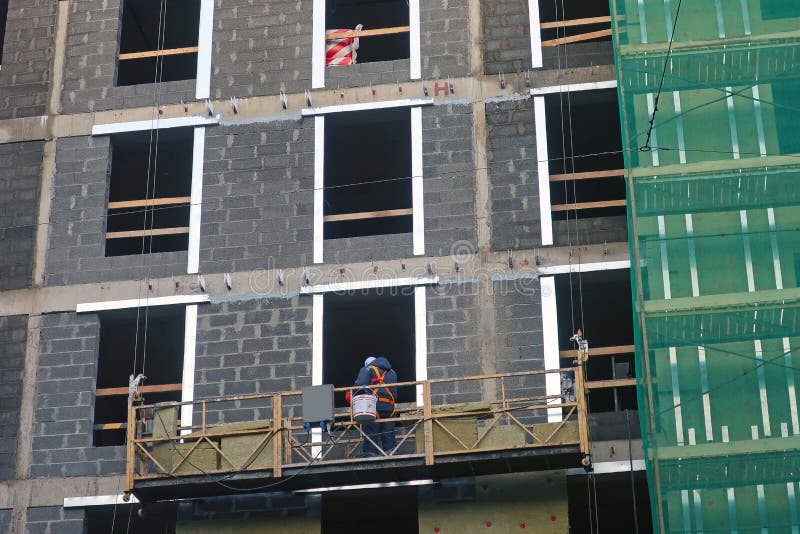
x: 381, y: 433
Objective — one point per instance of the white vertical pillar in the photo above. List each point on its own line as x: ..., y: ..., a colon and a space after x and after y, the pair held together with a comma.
x: 204, y: 46
x: 415, y: 53
x: 318, y: 45
x: 319, y: 185
x: 195, y: 208
x: 417, y: 192
x: 189, y: 349
x: 536, y: 34
x: 552, y: 357
x: 420, y: 338
x: 543, y: 170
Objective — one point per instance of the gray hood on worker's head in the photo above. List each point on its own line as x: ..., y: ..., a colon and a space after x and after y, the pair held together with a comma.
x: 381, y: 362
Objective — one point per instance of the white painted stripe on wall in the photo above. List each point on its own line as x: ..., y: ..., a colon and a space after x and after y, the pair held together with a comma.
x: 417, y: 191
x: 88, y: 307
x: 584, y: 267
x: 369, y: 284
x: 195, y: 209
x: 98, y: 500
x: 573, y: 87
x: 316, y: 339
x: 204, y: 48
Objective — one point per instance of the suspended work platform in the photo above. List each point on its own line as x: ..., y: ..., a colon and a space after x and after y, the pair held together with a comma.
x: 258, y: 443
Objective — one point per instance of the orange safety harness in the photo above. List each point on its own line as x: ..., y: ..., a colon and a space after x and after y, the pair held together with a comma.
x: 377, y: 390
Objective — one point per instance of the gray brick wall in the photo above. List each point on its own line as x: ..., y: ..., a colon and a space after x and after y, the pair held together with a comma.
x: 255, y: 346
x: 258, y: 196
x: 27, y: 53
x: 444, y: 36
x: 5, y: 520
x: 54, y: 520
x: 64, y: 403
x: 77, y: 222
x: 449, y: 184
x: 243, y: 507
x: 13, y: 336
x: 518, y: 335
x: 261, y: 48
x: 20, y: 165
x: 454, y: 348
x: 514, y: 189
x: 90, y: 68
x: 506, y: 36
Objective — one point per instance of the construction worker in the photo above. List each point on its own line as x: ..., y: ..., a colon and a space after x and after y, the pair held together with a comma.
x: 378, y: 372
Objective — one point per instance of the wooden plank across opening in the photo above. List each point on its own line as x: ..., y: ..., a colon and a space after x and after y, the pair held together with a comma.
x: 111, y: 426
x: 586, y: 175
x: 577, y: 38
x: 369, y: 33
x: 148, y: 233
x: 589, y: 205
x: 167, y: 201
x: 605, y: 384
x: 600, y: 351
x: 368, y: 215
x: 575, y: 22
x: 156, y: 388
x: 157, y: 53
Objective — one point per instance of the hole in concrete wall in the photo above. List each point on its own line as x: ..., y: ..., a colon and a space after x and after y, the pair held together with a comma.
x: 158, y: 519
x: 552, y: 11
x: 367, y: 170
x: 373, y: 15
x: 156, y: 350
x: 599, y: 303
x: 614, y: 503
x: 384, y: 510
x: 158, y: 169
x: 378, y: 322
x: 3, y: 20
x: 146, y: 28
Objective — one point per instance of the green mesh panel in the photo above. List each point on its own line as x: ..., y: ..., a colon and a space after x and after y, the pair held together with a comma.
x: 714, y: 226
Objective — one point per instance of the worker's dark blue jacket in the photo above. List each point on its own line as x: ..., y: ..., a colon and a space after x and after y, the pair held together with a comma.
x: 367, y: 377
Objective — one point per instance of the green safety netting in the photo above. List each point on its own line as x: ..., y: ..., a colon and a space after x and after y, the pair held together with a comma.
x: 714, y: 226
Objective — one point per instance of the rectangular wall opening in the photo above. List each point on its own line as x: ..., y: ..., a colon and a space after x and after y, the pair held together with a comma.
x: 599, y: 303
x: 154, y: 349
x: 613, y: 497
x: 384, y: 35
x: 579, y: 21
x: 345, y: 512
x: 359, y: 324
x: 3, y: 20
x: 367, y: 173
x: 586, y: 164
x: 150, y: 187
x: 157, y: 518
x: 158, y: 45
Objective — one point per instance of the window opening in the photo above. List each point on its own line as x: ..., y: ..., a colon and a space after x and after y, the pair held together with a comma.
x: 3, y: 20
x: 367, y: 173
x: 608, y: 326
x: 359, y: 324
x: 164, y: 327
x: 149, y: 202
x: 576, y: 21
x: 395, y: 510
x: 157, y: 518
x: 146, y: 58
x: 365, y: 31
x: 586, y: 162
x: 613, y: 496
x: 780, y: 9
